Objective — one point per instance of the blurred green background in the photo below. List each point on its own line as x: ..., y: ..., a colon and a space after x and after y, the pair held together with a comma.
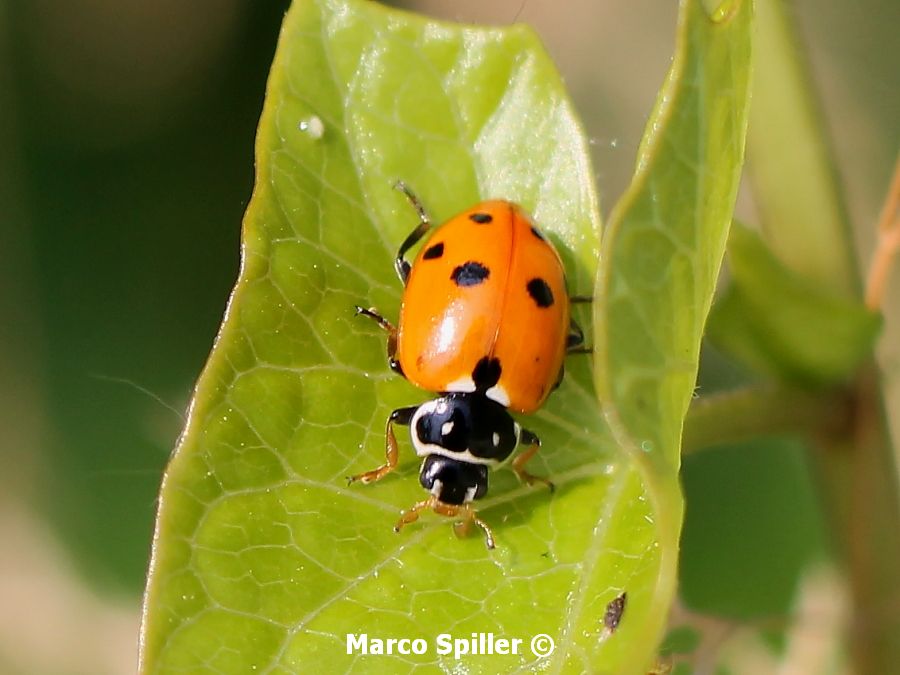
x: 127, y: 160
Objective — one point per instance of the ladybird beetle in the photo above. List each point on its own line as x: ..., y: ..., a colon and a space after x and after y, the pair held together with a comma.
x: 485, y: 323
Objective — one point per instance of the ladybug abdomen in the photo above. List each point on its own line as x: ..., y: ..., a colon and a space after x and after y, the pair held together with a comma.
x: 486, y: 309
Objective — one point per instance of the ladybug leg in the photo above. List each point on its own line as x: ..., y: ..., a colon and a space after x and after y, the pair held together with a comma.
x: 401, y: 264
x: 411, y: 515
x: 575, y: 338
x: 528, y: 438
x: 461, y: 528
x: 575, y: 342
x: 386, y: 325
x: 574, y: 345
x: 400, y: 416
x: 559, y: 377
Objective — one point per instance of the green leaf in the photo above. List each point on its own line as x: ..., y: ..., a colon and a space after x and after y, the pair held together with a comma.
x: 796, y: 192
x: 264, y: 560
x: 662, y: 254
x: 780, y: 324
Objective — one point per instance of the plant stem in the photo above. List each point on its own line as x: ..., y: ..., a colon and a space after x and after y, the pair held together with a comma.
x: 797, y: 192
x: 858, y: 479
x: 888, y: 243
x: 760, y: 411
x: 855, y: 470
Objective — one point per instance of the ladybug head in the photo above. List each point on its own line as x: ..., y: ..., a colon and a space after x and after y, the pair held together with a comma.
x: 452, y: 481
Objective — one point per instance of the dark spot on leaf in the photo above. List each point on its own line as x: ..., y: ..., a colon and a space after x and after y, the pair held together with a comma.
x: 469, y: 274
x: 614, y: 611
x: 481, y: 218
x: 433, y: 252
x: 540, y: 292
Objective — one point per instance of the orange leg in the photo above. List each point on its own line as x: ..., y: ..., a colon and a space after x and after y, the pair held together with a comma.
x: 400, y: 416
x: 411, y: 515
x: 519, y: 462
x: 461, y: 528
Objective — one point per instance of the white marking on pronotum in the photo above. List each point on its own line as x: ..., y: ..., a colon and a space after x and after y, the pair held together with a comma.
x: 424, y: 449
x: 470, y: 493
x: 496, y: 439
x: 446, y: 428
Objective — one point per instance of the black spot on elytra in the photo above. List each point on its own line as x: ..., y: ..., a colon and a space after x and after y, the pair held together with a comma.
x: 481, y: 218
x: 537, y: 233
x: 486, y: 373
x: 433, y: 252
x: 469, y: 274
x: 540, y: 292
